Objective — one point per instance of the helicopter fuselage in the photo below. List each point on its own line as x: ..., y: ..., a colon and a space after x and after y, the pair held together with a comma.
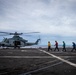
x: 16, y: 41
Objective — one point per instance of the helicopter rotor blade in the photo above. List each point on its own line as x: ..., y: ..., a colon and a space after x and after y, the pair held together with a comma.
x: 4, y: 32
x: 31, y: 32
x: 16, y: 33
x: 3, y: 35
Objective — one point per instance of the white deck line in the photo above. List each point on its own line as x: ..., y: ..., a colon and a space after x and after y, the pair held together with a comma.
x: 25, y: 57
x: 29, y: 73
x: 57, y: 57
x: 33, y: 57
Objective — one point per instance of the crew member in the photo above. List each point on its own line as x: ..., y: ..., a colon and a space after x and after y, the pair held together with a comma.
x: 56, y: 46
x: 49, y: 46
x: 64, y: 49
x: 74, y: 47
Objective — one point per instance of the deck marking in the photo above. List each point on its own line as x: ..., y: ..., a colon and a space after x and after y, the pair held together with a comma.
x: 27, y: 73
x: 25, y: 57
x: 57, y: 57
x: 33, y: 57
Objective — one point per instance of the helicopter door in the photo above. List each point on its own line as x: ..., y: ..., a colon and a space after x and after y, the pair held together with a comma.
x: 17, y: 43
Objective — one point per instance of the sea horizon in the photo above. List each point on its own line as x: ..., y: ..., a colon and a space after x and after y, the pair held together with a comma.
x: 45, y: 46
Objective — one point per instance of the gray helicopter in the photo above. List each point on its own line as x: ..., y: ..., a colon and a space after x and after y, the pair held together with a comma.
x: 16, y: 41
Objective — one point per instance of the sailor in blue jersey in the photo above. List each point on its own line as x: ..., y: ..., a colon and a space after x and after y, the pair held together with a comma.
x: 74, y: 47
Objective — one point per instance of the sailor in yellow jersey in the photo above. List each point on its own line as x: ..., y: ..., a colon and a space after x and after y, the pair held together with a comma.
x: 49, y: 46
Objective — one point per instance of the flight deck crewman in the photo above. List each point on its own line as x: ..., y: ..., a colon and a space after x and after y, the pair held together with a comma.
x: 56, y: 46
x: 64, y: 49
x: 74, y: 47
x: 49, y: 46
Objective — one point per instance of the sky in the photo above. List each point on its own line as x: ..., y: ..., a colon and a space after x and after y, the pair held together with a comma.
x: 54, y: 19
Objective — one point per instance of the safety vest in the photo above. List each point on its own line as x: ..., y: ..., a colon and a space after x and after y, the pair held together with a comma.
x: 49, y: 44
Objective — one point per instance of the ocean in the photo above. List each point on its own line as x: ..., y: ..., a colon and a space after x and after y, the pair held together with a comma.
x: 45, y: 46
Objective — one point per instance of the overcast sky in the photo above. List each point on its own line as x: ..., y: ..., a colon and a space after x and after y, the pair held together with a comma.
x: 53, y: 17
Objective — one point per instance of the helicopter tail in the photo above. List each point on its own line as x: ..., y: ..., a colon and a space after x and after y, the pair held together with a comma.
x: 37, y: 41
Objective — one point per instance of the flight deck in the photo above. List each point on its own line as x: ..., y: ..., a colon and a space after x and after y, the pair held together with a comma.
x: 37, y: 61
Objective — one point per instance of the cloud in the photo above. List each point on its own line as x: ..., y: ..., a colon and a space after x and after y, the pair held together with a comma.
x: 45, y: 16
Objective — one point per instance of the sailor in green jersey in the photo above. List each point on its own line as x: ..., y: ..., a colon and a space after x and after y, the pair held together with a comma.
x: 64, y: 46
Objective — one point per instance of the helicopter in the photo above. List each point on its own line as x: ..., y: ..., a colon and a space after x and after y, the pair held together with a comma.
x: 16, y: 41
